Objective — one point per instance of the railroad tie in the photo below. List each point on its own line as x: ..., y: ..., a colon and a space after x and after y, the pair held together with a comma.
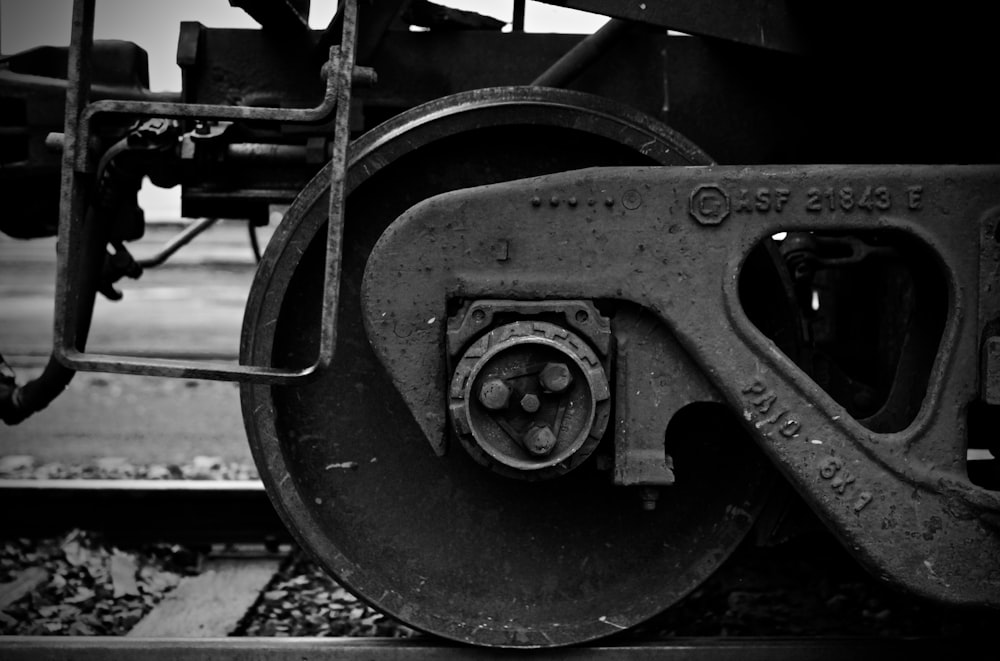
x: 212, y: 603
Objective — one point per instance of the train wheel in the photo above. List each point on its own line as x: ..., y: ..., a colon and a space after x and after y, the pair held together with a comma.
x: 442, y: 543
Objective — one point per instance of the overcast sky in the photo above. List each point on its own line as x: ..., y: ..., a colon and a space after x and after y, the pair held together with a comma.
x: 154, y: 25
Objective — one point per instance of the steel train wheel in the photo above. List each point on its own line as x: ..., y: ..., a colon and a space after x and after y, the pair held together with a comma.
x: 441, y: 543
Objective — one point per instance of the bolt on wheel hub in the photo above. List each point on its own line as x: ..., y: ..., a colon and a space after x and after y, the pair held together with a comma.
x: 529, y: 400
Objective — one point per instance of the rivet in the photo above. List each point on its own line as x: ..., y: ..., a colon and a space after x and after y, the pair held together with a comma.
x: 536, y: 201
x: 631, y: 200
x: 609, y: 201
x: 572, y: 201
x: 554, y: 200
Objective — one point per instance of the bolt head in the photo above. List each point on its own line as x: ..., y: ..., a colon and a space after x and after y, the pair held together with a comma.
x: 540, y: 440
x: 649, y: 496
x: 530, y: 403
x: 494, y: 394
x: 555, y: 377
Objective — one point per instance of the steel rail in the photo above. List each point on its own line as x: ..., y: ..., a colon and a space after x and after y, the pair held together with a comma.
x: 176, y: 511
x: 23, y: 648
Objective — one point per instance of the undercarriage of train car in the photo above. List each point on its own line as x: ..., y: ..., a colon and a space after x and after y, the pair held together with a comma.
x: 574, y: 312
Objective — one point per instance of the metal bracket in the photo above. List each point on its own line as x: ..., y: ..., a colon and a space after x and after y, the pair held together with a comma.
x: 75, y: 222
x: 654, y: 379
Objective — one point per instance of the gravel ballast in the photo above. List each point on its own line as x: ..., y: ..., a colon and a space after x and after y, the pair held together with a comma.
x: 80, y: 584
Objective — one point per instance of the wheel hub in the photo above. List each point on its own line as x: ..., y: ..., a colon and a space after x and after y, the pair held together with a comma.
x: 529, y: 400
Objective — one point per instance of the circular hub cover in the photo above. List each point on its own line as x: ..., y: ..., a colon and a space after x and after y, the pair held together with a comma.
x: 530, y: 400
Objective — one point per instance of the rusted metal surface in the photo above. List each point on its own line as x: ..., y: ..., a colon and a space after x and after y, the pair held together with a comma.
x: 901, y: 502
x: 32, y: 97
x: 743, y: 105
x: 630, y: 72
x: 582, y: 55
x: 663, y: 252
x: 853, y: 465
x: 989, y: 307
x: 649, y: 137
x: 223, y: 66
x: 509, y: 420
x: 579, y: 316
x: 207, y: 112
x: 514, y: 401
x: 439, y: 17
x: 654, y: 380
x: 579, y: 557
x: 991, y: 370
x: 767, y: 24
x: 77, y: 164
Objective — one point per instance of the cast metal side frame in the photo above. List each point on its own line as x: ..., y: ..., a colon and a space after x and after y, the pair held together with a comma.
x: 900, y: 500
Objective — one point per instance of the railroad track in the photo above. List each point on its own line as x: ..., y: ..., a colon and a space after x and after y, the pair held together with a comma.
x: 195, y: 620
x: 307, y: 649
